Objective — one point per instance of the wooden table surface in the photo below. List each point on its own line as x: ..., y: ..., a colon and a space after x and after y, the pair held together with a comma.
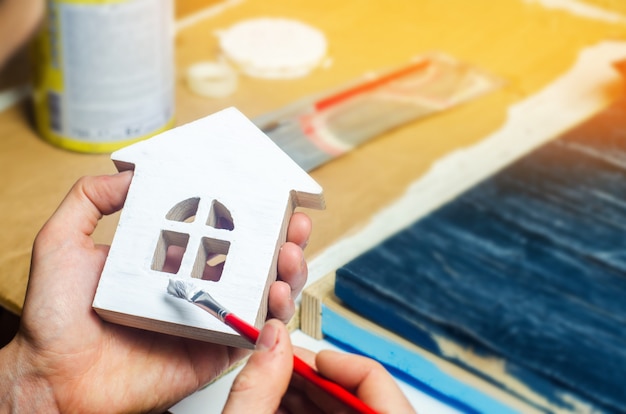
x: 521, y: 42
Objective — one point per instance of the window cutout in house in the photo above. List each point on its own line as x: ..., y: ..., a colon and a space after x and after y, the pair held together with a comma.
x: 185, y: 211
x: 220, y: 217
x: 211, y: 258
x: 169, y: 252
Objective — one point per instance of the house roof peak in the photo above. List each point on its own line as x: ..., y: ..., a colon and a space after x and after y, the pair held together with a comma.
x: 226, y: 145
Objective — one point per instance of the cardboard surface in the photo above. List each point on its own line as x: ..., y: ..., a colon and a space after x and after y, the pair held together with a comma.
x: 525, y: 44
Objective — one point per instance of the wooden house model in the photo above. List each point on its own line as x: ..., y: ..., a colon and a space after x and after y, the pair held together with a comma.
x: 211, y: 201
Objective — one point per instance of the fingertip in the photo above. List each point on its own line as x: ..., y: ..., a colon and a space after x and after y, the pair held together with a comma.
x: 264, y: 379
x: 86, y: 202
x: 106, y: 193
x: 274, y: 337
x: 281, y: 304
x: 327, y: 361
x: 299, y: 231
x: 366, y: 377
x: 268, y: 337
x: 292, y: 267
x: 125, y: 176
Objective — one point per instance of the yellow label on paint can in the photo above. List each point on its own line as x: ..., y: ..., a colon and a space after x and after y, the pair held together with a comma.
x: 104, y: 73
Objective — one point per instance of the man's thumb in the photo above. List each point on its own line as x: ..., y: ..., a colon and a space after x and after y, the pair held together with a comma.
x: 263, y: 381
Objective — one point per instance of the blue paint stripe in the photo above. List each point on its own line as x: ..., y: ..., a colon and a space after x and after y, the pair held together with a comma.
x: 428, y: 376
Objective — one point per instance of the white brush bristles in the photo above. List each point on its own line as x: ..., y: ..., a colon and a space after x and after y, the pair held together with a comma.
x: 181, y: 289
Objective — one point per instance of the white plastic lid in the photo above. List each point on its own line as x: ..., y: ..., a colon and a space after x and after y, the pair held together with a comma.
x: 212, y: 79
x: 273, y: 48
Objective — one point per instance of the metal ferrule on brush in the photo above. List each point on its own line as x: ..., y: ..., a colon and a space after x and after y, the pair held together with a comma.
x: 205, y: 301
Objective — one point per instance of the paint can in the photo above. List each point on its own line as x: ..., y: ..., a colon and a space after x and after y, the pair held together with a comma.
x: 104, y: 73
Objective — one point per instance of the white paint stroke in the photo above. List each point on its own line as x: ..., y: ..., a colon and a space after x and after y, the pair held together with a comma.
x: 582, y: 9
x: 570, y: 99
x: 204, y: 14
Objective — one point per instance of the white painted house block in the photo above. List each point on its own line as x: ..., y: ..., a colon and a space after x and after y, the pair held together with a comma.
x: 220, y: 191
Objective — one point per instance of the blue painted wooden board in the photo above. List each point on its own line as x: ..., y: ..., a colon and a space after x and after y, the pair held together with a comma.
x: 530, y: 266
x: 575, y: 200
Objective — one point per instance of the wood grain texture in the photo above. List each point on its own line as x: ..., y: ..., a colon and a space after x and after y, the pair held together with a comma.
x: 528, y: 266
x: 216, y: 187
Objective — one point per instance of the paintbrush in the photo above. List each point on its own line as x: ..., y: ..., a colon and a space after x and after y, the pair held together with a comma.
x: 204, y: 300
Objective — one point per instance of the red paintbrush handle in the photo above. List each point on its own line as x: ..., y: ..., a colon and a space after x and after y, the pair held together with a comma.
x: 303, y: 369
x: 242, y: 327
x: 334, y: 389
x: 368, y: 86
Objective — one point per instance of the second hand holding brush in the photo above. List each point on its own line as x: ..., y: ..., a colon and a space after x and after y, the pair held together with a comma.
x: 204, y: 300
